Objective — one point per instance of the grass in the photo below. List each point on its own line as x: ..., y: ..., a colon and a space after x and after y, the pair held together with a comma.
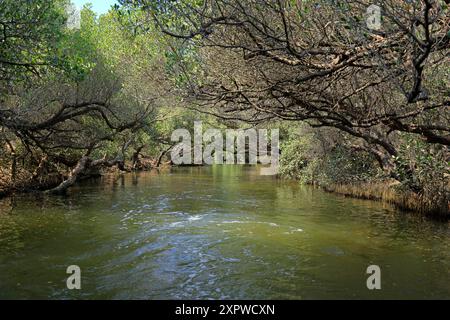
x: 390, y: 192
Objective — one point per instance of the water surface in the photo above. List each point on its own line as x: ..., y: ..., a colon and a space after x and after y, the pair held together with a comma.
x: 216, y: 233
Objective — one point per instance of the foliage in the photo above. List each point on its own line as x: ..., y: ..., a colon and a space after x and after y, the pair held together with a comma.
x: 29, y: 34
x: 425, y: 170
x: 310, y: 159
x: 100, y: 98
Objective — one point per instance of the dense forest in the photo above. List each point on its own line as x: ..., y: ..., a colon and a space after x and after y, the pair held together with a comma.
x: 361, y: 111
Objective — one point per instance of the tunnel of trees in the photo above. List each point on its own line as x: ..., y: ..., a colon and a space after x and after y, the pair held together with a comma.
x: 356, y: 106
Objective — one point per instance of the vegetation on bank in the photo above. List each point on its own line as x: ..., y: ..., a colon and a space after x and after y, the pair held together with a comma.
x: 362, y: 112
x: 77, y: 101
x: 319, y: 157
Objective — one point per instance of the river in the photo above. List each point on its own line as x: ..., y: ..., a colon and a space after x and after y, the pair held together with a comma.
x: 221, y: 232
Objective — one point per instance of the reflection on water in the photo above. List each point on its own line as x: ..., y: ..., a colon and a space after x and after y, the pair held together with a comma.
x: 215, y: 233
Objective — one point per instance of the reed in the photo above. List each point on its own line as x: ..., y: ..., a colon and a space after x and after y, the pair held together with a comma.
x: 390, y: 192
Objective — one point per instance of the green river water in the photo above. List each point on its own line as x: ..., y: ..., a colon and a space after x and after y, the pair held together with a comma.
x: 216, y: 233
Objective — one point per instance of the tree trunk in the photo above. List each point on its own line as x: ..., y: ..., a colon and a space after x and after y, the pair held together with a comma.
x: 161, y: 155
x: 136, y: 162
x: 76, y: 172
x: 81, y: 168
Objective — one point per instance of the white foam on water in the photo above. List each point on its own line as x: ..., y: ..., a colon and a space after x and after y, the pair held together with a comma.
x: 195, y: 218
x: 176, y: 224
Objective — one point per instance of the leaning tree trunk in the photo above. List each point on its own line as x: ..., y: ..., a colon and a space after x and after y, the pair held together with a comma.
x: 76, y: 172
x: 81, y: 168
x: 161, y: 155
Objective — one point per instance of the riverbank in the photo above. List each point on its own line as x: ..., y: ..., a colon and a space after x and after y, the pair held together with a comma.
x: 383, y: 191
x: 46, y: 177
x: 389, y: 192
